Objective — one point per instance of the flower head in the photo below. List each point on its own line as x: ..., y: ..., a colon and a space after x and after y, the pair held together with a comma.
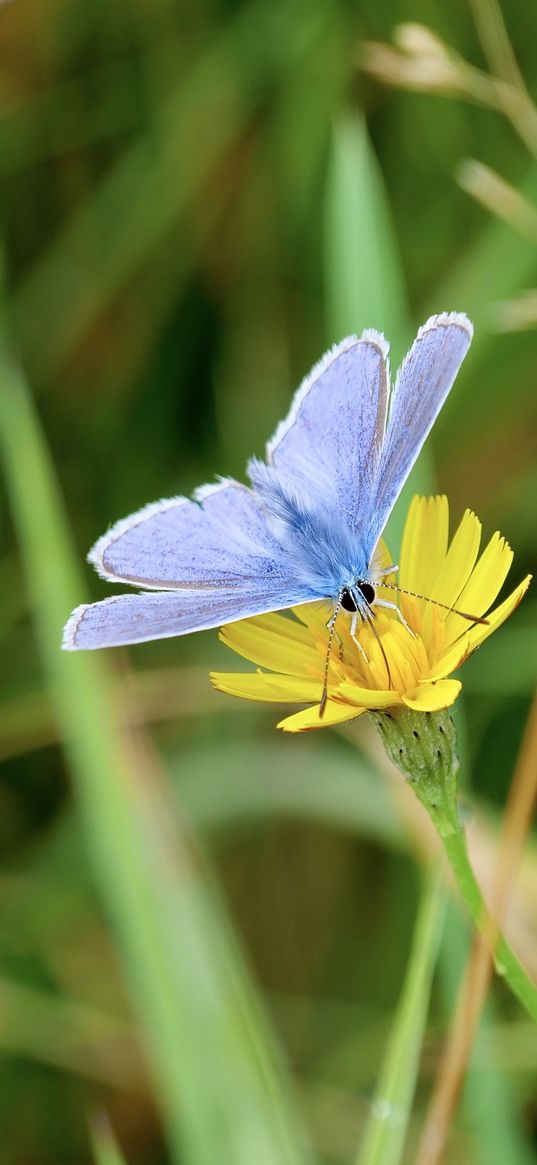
x: 406, y: 655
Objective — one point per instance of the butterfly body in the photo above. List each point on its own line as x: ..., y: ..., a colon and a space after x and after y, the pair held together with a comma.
x: 308, y: 527
x: 326, y: 553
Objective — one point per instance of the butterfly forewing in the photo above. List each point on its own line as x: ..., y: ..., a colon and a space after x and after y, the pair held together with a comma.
x: 331, y: 440
x: 220, y: 540
x: 423, y: 383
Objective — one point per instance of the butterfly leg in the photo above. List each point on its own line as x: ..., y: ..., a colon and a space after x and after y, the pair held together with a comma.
x: 353, y: 626
x: 369, y: 614
x: 330, y: 627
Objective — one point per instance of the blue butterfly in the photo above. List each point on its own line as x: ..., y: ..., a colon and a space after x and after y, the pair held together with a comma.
x: 308, y: 527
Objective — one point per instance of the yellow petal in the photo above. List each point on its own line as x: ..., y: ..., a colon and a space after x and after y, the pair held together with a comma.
x: 413, y: 647
x: 479, y: 633
x: 400, y: 652
x: 309, y: 718
x: 365, y: 697
x: 314, y: 616
x: 424, y: 545
x: 429, y: 697
x: 433, y: 630
x: 273, y: 641
x: 484, y: 584
x: 261, y: 686
x: 459, y: 561
x: 466, y: 644
x: 450, y: 660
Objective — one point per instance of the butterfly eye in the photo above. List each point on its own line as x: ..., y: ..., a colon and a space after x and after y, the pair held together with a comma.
x: 367, y: 590
x: 347, y: 601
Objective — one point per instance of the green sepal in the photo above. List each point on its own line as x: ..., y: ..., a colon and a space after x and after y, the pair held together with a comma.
x: 423, y: 745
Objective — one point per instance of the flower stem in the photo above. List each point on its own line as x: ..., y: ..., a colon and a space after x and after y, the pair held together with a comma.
x: 423, y: 746
x: 505, y: 961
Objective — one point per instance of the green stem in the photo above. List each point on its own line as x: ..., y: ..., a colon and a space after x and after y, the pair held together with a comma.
x: 423, y: 746
x: 505, y: 961
x: 386, y: 1130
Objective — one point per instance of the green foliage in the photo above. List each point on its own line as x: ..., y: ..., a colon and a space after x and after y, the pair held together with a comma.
x: 205, y: 928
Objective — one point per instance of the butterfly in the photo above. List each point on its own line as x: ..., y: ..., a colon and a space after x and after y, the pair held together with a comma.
x: 307, y: 527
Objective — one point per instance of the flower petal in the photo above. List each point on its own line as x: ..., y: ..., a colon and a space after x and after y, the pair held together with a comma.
x: 450, y: 660
x: 365, y: 697
x: 309, y: 718
x: 484, y: 584
x: 432, y: 697
x: 479, y: 633
x: 314, y: 616
x: 423, y: 552
x: 262, y: 686
x: 459, y: 561
x: 273, y: 641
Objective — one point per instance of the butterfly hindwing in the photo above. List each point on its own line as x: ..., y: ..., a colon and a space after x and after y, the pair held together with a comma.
x: 126, y: 619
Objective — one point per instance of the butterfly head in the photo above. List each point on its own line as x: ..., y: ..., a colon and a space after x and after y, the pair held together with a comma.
x: 352, y: 598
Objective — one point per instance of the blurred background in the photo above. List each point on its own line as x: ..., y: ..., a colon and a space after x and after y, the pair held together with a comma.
x: 198, y: 198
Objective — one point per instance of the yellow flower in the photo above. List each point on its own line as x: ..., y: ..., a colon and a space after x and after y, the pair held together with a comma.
x: 407, y: 666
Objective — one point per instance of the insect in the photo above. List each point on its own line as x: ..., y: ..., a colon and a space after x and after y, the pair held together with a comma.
x: 308, y: 527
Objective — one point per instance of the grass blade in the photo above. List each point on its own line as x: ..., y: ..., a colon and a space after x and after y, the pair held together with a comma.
x: 135, y: 208
x: 498, y: 265
x: 106, y: 1150
x: 221, y: 1088
x: 364, y: 281
x: 385, y: 1134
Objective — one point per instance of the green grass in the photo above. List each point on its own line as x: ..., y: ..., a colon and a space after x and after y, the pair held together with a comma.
x: 205, y: 927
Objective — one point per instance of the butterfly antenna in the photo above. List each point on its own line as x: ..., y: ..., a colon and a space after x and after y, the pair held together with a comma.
x: 331, y: 632
x: 369, y: 616
x: 436, y: 602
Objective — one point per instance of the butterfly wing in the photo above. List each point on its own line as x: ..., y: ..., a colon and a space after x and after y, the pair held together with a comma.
x: 126, y: 619
x: 213, y: 560
x: 219, y: 540
x: 330, y: 442
x: 216, y: 558
x: 422, y: 385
